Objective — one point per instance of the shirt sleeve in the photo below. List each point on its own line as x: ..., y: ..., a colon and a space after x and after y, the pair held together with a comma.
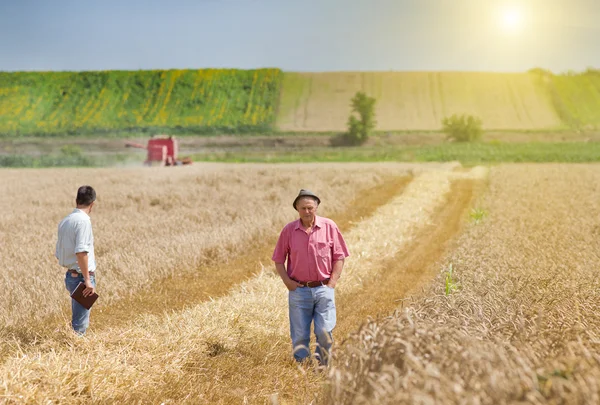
x: 282, y: 248
x: 83, y: 237
x: 340, y: 250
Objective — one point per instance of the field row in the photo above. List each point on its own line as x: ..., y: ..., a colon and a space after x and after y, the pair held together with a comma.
x: 199, y: 100
x: 514, y: 314
x: 415, y: 101
x: 419, y: 100
x: 153, y: 223
x: 234, y: 348
x: 265, y: 100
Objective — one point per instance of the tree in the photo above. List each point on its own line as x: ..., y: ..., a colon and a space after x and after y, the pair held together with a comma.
x: 359, y: 128
x: 463, y: 128
x: 364, y: 106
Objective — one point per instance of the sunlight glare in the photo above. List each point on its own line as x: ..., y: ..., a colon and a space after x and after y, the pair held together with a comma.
x: 512, y: 20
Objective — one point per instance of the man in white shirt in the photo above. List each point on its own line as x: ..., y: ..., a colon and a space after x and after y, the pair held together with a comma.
x: 75, y: 251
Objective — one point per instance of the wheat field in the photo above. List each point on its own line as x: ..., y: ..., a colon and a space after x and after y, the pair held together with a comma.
x: 521, y: 324
x: 218, y: 350
x: 514, y: 322
x: 152, y: 223
x: 415, y: 100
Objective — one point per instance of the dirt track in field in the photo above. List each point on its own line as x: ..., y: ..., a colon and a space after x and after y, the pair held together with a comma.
x: 236, y: 347
x: 522, y: 324
x: 216, y: 279
x: 412, y: 268
x: 406, y: 274
x: 409, y: 270
x: 208, y: 282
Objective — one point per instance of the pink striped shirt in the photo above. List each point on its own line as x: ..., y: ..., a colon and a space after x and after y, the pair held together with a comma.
x: 310, y: 257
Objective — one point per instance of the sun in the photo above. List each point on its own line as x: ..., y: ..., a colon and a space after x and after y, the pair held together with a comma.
x: 512, y: 20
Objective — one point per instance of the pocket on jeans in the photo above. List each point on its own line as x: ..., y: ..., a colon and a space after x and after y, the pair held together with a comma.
x: 71, y: 283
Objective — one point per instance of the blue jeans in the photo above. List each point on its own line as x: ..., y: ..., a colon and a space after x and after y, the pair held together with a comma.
x: 81, y: 316
x: 308, y: 304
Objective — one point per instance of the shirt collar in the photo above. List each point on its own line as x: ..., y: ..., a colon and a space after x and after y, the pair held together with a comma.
x: 78, y: 210
x: 317, y: 224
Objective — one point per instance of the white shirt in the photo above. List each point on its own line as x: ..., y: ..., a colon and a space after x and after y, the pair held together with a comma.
x: 75, y: 236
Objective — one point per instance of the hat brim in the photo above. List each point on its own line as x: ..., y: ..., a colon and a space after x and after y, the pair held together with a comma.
x: 314, y: 197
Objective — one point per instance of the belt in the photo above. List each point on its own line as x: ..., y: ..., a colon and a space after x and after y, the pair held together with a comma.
x: 313, y: 284
x: 73, y: 271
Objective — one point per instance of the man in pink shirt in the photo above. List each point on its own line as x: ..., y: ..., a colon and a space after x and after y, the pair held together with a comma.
x: 315, y: 251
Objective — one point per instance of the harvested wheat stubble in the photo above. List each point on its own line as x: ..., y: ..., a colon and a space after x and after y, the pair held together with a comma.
x: 234, y: 348
x: 150, y: 223
x: 179, y: 292
x: 523, y: 325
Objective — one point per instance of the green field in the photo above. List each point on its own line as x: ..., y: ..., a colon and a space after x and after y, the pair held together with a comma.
x: 466, y: 153
x: 577, y: 98
x: 198, y: 101
x: 217, y: 101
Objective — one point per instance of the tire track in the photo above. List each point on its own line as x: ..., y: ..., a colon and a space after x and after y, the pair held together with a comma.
x: 307, y: 102
x: 257, y: 375
x: 411, y: 268
x: 208, y: 282
x: 236, y: 347
x: 177, y: 293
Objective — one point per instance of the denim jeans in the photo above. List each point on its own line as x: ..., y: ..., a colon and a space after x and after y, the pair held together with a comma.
x: 81, y: 316
x: 308, y: 304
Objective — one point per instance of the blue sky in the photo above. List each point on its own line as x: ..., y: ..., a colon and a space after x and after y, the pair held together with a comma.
x: 298, y: 35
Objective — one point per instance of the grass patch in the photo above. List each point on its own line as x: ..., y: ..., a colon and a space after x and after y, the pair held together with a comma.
x: 467, y: 154
x: 63, y: 160
x: 477, y: 214
x: 450, y: 284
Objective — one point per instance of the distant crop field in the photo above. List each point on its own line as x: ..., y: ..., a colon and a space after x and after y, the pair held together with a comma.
x: 234, y: 101
x: 48, y: 103
x: 577, y: 98
x: 415, y: 100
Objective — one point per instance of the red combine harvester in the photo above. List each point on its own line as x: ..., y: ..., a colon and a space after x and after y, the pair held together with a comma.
x: 162, y: 151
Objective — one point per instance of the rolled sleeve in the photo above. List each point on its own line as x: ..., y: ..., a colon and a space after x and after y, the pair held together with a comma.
x: 340, y: 250
x: 83, y: 237
x: 282, y: 248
